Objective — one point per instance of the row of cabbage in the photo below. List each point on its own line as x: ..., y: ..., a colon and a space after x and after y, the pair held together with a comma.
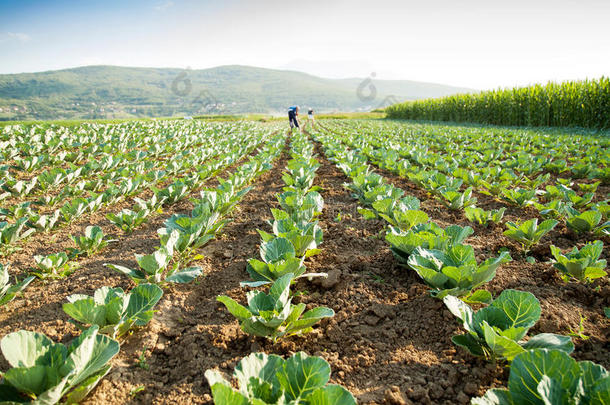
x: 55, y: 145
x: 496, y: 331
x: 580, y: 214
x: 295, y: 236
x: 60, y: 264
x: 121, y: 178
x: 526, y: 151
x: 45, y: 372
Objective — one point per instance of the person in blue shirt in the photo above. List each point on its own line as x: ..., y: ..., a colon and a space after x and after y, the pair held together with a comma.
x: 293, y: 114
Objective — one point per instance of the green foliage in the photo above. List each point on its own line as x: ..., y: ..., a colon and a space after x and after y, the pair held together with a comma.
x: 185, y: 233
x: 278, y: 259
x: 53, y: 266
x: 528, y: 233
x: 300, y: 174
x: 543, y: 377
x: 155, y: 269
x: 301, y: 207
x: 483, y: 217
x: 519, y: 196
x: 17, y: 211
x: 454, y: 271
x: 128, y: 220
x: 589, y: 221
x: 556, y: 209
x: 426, y: 236
x: 74, y: 209
x: 273, y: 315
x: 173, y: 193
x: 45, y: 222
x: 455, y: 200
x: 8, y: 291
x: 11, y: 234
x: 582, y: 265
x: 20, y: 188
x: 403, y: 220
x: 222, y: 200
x: 572, y: 103
x: 497, y: 331
x: 45, y: 372
x: 92, y: 242
x: 114, y: 311
x: 269, y: 379
x: 304, y: 236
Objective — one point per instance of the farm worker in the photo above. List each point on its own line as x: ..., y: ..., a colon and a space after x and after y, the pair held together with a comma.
x: 293, y: 113
x: 310, y: 117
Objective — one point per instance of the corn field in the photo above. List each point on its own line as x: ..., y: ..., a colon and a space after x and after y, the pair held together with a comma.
x: 569, y: 104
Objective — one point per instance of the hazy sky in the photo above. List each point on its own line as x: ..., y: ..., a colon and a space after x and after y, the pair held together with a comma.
x: 478, y: 44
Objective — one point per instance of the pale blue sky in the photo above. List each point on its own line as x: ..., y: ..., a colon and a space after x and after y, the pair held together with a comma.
x: 478, y: 44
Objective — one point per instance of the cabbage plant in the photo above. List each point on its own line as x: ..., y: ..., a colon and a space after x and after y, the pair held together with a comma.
x: 278, y: 259
x: 153, y: 204
x: 51, y: 200
x: 483, y: 217
x: 8, y: 291
x: 128, y: 220
x: 113, y: 310
x: 11, y: 234
x: 529, y: 233
x: 583, y: 265
x: 269, y: 379
x: 589, y: 188
x: 301, y: 174
x: 428, y: 236
x: 273, y: 315
x: 556, y: 209
x: 29, y: 163
x: 404, y: 220
x: 301, y: 206
x: 53, y: 266
x: 390, y: 209
x: 92, y: 242
x: 305, y: 237
x: 183, y: 233
x: 172, y: 193
x: 45, y: 222
x: 455, y: 271
x: 519, y: 196
x: 439, y: 183
x: 498, y: 330
x: 17, y: 211
x: 544, y: 377
x: 45, y: 372
x: 154, y: 268
x: 74, y: 209
x: 20, y: 188
x: 577, y: 200
x: 589, y: 221
x: 494, y: 188
x: 454, y: 200
x: 222, y: 200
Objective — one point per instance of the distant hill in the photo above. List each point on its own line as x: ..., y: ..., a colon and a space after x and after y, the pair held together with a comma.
x: 122, y: 92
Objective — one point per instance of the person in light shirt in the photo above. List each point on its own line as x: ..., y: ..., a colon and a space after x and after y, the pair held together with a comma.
x: 310, y: 118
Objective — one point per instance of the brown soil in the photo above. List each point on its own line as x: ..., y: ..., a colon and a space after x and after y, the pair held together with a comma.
x: 389, y: 342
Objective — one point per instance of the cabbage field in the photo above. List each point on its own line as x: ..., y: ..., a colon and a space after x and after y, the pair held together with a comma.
x: 361, y: 261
